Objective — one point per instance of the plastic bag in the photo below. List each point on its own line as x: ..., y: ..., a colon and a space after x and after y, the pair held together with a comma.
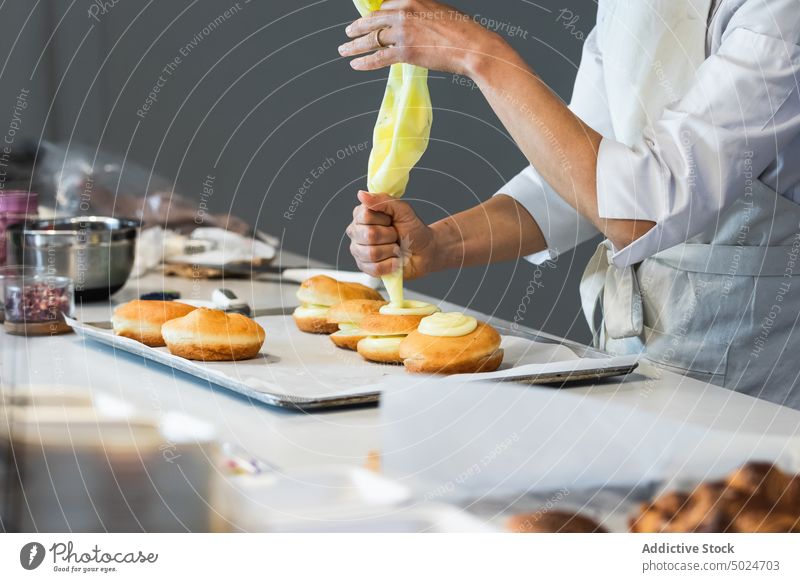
x: 75, y: 180
x: 400, y: 137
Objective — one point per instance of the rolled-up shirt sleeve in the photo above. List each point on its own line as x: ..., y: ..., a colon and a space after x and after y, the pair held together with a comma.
x: 562, y: 226
x: 694, y: 161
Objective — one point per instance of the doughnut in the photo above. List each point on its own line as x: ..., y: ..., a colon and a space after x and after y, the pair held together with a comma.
x: 347, y: 316
x: 451, y: 343
x: 142, y: 320
x: 318, y: 294
x: 211, y: 335
x: 384, y: 334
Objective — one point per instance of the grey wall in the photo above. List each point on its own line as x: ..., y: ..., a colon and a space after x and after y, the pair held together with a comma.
x: 262, y: 100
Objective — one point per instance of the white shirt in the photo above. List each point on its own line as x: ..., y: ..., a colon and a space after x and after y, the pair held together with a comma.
x: 739, y: 120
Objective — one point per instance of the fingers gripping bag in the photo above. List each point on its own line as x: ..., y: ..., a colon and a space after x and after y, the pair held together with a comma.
x: 400, y: 137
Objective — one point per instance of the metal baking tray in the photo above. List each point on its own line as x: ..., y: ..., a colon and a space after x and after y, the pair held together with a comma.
x: 299, y: 384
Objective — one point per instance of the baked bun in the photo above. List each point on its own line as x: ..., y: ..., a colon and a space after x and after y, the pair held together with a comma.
x: 314, y: 319
x: 756, y: 498
x: 478, y: 351
x: 142, y: 320
x: 384, y: 334
x: 324, y: 290
x: 318, y: 294
x: 348, y: 316
x: 212, y: 335
x: 553, y: 522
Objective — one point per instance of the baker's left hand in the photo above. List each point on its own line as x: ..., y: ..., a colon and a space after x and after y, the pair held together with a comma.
x: 423, y: 33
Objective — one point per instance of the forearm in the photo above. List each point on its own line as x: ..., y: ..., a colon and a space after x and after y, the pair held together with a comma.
x: 498, y: 230
x: 558, y: 144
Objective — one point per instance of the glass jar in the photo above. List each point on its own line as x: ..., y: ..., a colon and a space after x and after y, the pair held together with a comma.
x: 36, y: 304
x: 14, y: 271
x: 15, y: 206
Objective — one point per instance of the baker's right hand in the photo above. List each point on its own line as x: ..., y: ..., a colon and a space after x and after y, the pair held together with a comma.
x: 385, y: 231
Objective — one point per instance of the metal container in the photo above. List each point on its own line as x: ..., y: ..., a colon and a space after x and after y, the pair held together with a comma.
x: 96, y: 252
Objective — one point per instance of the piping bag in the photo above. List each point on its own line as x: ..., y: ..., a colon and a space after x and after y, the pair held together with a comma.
x: 399, y: 139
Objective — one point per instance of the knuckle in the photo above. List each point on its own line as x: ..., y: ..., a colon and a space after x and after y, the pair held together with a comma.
x: 367, y: 268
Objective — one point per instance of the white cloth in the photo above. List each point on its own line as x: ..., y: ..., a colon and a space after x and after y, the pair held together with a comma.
x: 651, y: 49
x: 738, y: 118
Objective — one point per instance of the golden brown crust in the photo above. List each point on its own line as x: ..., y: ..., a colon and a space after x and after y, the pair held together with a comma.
x: 142, y: 320
x: 315, y: 324
x: 378, y: 324
x: 478, y: 351
x: 324, y: 290
x: 354, y: 310
x: 378, y: 352
x: 212, y: 335
x: 346, y: 342
x: 757, y: 497
x: 553, y: 522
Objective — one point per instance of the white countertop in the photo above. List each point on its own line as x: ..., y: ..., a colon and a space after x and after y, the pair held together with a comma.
x: 292, y: 439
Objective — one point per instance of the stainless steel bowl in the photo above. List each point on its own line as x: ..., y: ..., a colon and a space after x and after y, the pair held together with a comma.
x: 95, y: 251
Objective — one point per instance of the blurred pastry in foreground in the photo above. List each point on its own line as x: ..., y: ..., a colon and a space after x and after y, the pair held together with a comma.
x: 553, y: 522
x: 384, y: 334
x: 318, y: 294
x: 211, y: 335
x: 142, y: 320
x: 348, y: 316
x: 451, y: 343
x: 756, y: 498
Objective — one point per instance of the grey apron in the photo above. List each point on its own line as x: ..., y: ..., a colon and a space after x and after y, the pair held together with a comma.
x: 722, y: 307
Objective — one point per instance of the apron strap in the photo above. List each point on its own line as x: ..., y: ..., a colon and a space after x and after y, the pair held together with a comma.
x: 732, y: 260
x: 618, y: 289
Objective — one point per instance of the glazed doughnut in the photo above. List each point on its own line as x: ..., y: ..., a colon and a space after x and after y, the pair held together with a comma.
x: 451, y: 343
x: 318, y: 294
x: 384, y: 334
x: 347, y: 316
x: 211, y: 335
x: 142, y: 320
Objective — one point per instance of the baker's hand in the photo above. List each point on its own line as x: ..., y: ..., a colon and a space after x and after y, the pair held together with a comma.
x: 420, y: 32
x: 386, y: 231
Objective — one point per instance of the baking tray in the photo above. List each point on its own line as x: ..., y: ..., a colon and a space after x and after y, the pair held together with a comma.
x: 306, y: 372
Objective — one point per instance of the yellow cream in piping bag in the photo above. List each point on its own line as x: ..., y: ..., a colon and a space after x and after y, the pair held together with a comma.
x: 451, y: 324
x: 399, y: 139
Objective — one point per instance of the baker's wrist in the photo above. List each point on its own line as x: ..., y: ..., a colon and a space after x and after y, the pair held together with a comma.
x: 447, y: 247
x: 485, y: 55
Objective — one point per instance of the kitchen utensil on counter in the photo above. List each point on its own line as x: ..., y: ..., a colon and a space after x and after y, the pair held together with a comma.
x: 229, y: 302
x: 16, y: 206
x: 222, y: 299
x: 96, y: 252
x: 35, y: 304
x: 14, y: 271
x: 160, y: 296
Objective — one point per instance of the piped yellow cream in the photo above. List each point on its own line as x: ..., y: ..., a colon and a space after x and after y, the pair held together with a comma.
x: 452, y: 324
x: 409, y: 307
x: 400, y: 137
x: 349, y: 329
x: 311, y: 310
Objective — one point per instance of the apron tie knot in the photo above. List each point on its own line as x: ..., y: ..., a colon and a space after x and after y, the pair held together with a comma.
x: 618, y: 291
